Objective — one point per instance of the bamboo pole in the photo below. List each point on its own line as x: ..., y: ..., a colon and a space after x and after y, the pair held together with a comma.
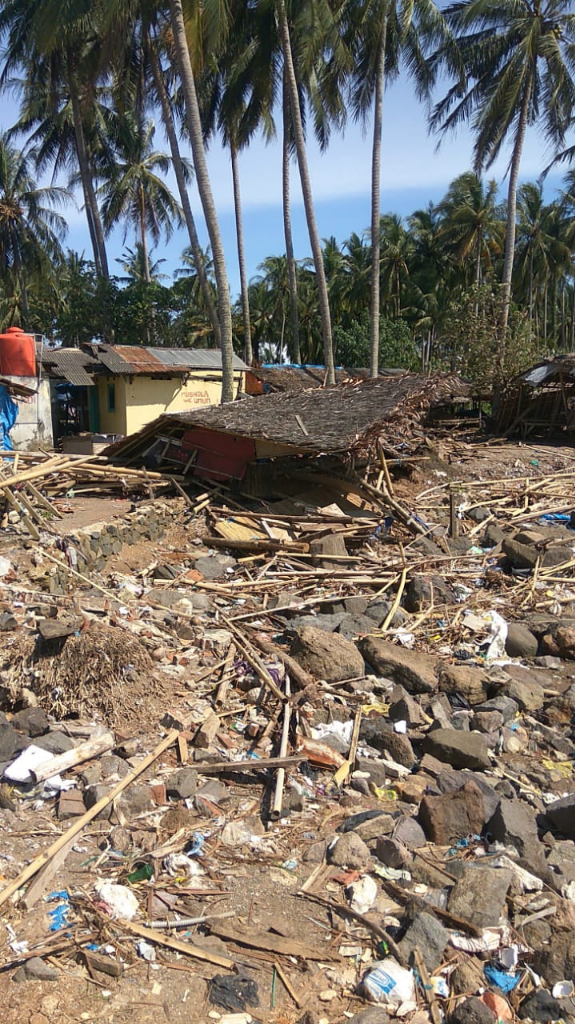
x: 281, y: 775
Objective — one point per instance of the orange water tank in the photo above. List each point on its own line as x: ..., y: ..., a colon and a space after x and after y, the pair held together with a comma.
x: 17, y: 353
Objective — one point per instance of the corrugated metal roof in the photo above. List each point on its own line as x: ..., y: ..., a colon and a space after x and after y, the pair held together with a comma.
x: 146, y: 359
x: 139, y: 358
x: 72, y: 364
x: 111, y: 360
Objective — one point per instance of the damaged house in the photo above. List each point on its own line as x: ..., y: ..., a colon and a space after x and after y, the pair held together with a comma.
x: 540, y: 401
x: 281, y: 445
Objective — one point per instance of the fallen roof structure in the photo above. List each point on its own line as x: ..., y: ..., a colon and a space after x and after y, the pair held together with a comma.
x: 344, y: 418
x: 265, y: 380
x: 540, y: 400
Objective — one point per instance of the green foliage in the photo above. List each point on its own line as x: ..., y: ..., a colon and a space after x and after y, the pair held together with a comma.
x: 396, y: 345
x: 471, y: 342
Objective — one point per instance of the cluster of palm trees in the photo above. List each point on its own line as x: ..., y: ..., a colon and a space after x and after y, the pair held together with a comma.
x: 92, y: 77
x: 432, y: 263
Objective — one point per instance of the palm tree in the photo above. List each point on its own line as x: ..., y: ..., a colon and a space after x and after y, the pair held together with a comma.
x: 30, y: 226
x: 152, y: 50
x: 513, y: 68
x: 131, y: 189
x: 383, y: 33
x: 396, y: 247
x: 327, y: 37
x: 183, y: 63
x: 471, y: 221
x: 58, y: 99
x: 532, y: 241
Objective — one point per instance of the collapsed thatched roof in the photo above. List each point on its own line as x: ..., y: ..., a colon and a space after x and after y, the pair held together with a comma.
x: 341, y: 418
x: 300, y: 378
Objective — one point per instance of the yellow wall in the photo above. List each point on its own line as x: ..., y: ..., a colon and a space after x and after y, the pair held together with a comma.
x: 112, y: 422
x: 140, y: 399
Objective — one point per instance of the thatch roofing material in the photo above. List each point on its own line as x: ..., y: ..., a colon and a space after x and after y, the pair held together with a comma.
x: 300, y: 378
x: 342, y: 418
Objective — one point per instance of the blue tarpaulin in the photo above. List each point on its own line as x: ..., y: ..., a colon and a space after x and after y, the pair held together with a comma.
x: 8, y: 415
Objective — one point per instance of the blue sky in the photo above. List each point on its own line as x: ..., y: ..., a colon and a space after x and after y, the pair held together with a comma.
x: 413, y: 173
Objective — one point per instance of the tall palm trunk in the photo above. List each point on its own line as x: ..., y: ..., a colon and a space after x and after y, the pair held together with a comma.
x: 376, y: 198
x: 291, y: 267
x: 195, y: 246
x: 193, y: 120
x: 144, y: 237
x: 572, y: 325
x: 20, y: 278
x: 478, y: 258
x: 512, y: 213
x: 241, y: 256
x: 531, y: 285
x: 307, y: 194
x: 90, y: 201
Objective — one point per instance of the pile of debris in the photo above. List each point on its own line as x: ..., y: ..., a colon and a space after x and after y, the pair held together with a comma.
x: 306, y: 765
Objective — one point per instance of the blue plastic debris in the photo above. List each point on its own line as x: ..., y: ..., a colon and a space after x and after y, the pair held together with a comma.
x: 197, y: 845
x: 59, y: 915
x: 555, y: 517
x: 505, y: 981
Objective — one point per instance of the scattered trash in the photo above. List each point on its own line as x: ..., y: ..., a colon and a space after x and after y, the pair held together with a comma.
x: 118, y: 901
x: 234, y: 992
x: 388, y: 983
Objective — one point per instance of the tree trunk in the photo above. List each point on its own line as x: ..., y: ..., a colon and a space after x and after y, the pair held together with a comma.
x: 193, y: 120
x: 195, y: 246
x: 478, y: 258
x: 143, y: 236
x: 19, y: 273
x: 572, y: 337
x: 545, y: 311
x: 376, y: 197
x: 531, y: 285
x: 241, y: 257
x: 291, y: 267
x: 90, y: 201
x: 307, y: 194
x: 512, y: 214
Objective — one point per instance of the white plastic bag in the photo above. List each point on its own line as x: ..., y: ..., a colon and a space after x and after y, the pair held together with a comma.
x: 388, y: 983
x: 362, y: 894
x: 120, y: 901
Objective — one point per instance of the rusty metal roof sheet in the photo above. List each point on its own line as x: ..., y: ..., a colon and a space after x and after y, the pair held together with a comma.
x: 147, y: 360
x: 139, y: 359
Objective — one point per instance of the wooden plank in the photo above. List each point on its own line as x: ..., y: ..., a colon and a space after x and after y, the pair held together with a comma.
x: 77, y: 755
x: 176, y: 944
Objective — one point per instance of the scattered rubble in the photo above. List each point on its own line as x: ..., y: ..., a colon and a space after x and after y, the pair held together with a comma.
x: 278, y: 761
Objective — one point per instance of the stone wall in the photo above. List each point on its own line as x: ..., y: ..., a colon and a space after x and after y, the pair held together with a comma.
x: 89, y: 549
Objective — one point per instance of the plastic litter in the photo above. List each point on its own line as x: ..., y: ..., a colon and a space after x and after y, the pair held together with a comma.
x: 21, y: 769
x: 503, y: 979
x: 388, y: 983
x: 178, y: 864
x: 234, y: 991
x: 196, y: 847
x: 562, y: 989
x: 498, y: 1005
x: 363, y: 894
x: 146, y: 951
x: 119, y: 901
x: 59, y: 915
